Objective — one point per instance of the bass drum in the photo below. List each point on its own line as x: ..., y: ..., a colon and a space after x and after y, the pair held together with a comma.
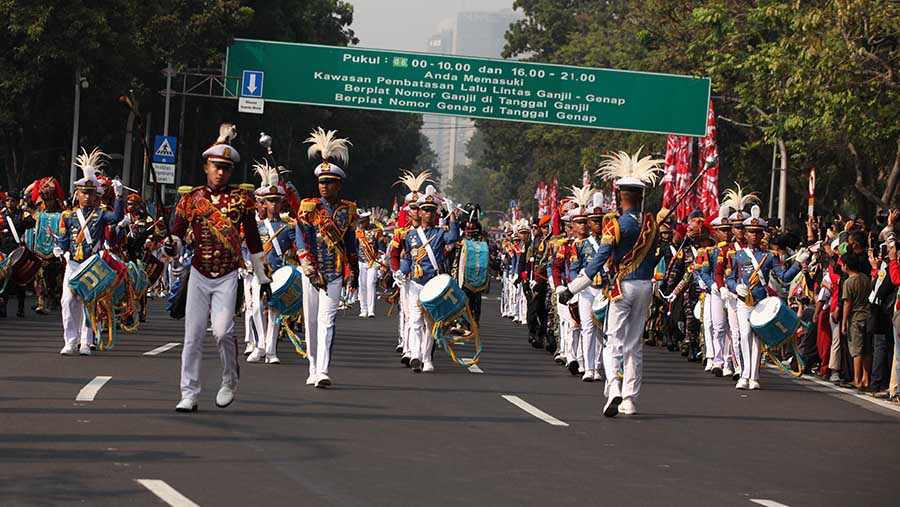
x: 442, y: 299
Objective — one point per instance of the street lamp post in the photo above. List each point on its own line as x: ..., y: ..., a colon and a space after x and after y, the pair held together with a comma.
x: 73, y: 171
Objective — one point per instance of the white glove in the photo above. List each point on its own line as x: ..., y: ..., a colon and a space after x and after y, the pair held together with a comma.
x: 742, y: 290
x: 532, y: 284
x: 125, y: 222
x: 561, y: 289
x: 57, y: 252
x: 702, y: 284
x: 399, y: 278
x: 118, y: 188
x: 803, y: 256
x: 670, y: 296
x: 259, y: 269
x: 723, y: 293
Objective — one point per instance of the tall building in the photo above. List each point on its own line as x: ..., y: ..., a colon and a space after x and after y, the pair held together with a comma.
x: 478, y: 34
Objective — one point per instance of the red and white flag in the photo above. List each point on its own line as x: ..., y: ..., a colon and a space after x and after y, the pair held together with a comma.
x: 708, y: 189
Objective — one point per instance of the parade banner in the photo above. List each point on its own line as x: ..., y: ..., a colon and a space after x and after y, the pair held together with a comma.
x: 708, y: 191
x: 469, y: 87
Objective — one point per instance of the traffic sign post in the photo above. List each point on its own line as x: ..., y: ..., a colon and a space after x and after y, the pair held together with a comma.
x: 164, y: 154
x: 471, y: 87
x: 251, y: 100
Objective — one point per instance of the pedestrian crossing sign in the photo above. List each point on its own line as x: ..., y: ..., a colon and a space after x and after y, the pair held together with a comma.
x: 164, y: 149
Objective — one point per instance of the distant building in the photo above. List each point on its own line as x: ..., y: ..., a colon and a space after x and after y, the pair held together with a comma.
x: 478, y: 34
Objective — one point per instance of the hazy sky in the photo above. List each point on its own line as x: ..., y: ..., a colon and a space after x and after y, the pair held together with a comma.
x: 407, y: 24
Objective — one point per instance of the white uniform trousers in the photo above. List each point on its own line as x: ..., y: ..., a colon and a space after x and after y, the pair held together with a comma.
x: 719, y: 328
x: 570, y: 334
x: 750, y: 346
x: 625, y: 345
x: 402, y: 323
x: 589, y: 332
x: 563, y: 330
x: 254, y: 328
x: 74, y: 323
x: 209, y: 299
x: 273, y: 329
x: 421, y: 344
x: 367, y: 278
x: 522, y: 303
x: 319, y: 311
x: 734, y: 327
x: 708, y: 349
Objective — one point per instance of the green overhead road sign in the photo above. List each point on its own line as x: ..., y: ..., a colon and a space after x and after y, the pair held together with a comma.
x: 475, y: 87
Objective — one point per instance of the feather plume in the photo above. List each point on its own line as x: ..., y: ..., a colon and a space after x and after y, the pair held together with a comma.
x: 266, y: 173
x: 414, y: 182
x: 91, y: 163
x: 430, y: 190
x: 379, y: 214
x: 583, y: 195
x: 327, y: 146
x: 227, y: 132
x: 738, y: 200
x: 622, y: 165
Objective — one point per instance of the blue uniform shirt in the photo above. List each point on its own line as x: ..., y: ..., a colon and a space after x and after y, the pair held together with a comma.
x: 419, y: 267
x: 96, y: 219
x: 620, y: 233
x: 742, y: 268
x: 285, y: 235
x: 325, y: 235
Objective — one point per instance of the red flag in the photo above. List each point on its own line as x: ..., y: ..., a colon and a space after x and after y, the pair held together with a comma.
x: 683, y: 176
x: 708, y: 189
x: 553, y: 197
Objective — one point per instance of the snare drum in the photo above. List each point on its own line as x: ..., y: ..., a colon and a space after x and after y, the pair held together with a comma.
x: 473, y: 272
x: 773, y: 321
x: 22, y: 266
x: 441, y: 298
x: 287, y: 290
x: 598, y: 310
x: 153, y: 267
x: 93, y: 279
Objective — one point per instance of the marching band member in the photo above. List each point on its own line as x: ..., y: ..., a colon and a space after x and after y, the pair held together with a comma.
x: 750, y: 269
x: 215, y: 214
x: 278, y: 237
x: 326, y: 248
x: 737, y: 200
x: 13, y: 224
x: 82, y: 233
x: 407, y: 221
x: 536, y: 274
x: 470, y: 229
x: 627, y: 244
x: 714, y: 305
x: 583, y: 251
x: 370, y: 245
x: 570, y: 328
x: 46, y: 201
x: 424, y: 254
x: 521, y: 247
x: 681, y: 283
x: 254, y: 329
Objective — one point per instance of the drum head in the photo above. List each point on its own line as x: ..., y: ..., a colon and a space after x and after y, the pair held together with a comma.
x: 435, y: 287
x: 15, y: 255
x: 86, y: 265
x: 765, y: 311
x: 281, y: 276
x: 600, y: 302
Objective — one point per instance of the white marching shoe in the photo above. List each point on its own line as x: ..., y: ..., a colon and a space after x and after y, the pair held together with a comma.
x: 186, y: 405
x: 727, y: 372
x: 597, y: 376
x: 311, y: 379
x: 428, y: 367
x: 613, y: 400
x: 69, y: 350
x: 362, y: 314
x: 225, y: 396
x: 250, y: 348
x: 588, y: 376
x: 257, y: 356
x: 754, y: 385
x: 709, y: 365
x: 323, y: 380
x: 742, y: 383
x: 627, y: 407
x: 84, y: 350
x: 272, y: 359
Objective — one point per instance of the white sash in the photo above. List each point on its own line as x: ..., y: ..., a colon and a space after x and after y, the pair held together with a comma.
x: 428, y: 249
x: 762, y: 279
x: 275, y: 243
x: 882, y: 272
x: 84, y: 227
x: 12, y: 229
x: 593, y: 241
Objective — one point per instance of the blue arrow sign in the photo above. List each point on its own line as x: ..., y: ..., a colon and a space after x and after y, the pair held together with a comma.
x: 164, y: 149
x: 252, y: 83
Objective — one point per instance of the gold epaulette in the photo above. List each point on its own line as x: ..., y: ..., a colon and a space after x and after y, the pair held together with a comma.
x: 309, y: 205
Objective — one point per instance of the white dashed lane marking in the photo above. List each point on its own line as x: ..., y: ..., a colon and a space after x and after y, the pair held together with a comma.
x: 166, y: 493
x: 531, y: 409
x: 89, y: 391
x: 160, y: 350
x: 767, y: 503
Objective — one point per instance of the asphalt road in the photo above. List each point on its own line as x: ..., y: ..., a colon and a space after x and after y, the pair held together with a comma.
x: 382, y: 435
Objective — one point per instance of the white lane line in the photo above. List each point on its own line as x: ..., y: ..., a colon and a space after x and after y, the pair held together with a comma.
x: 472, y: 369
x: 88, y: 392
x: 767, y: 503
x: 531, y: 409
x: 160, y: 350
x: 875, y: 401
x: 166, y: 493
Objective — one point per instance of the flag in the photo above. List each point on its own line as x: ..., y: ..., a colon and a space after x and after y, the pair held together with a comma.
x: 394, y: 207
x: 668, y: 200
x: 553, y: 198
x: 540, y: 195
x: 683, y: 176
x: 708, y: 189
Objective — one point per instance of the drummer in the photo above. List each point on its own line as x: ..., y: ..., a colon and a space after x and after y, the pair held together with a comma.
x: 424, y: 255
x: 81, y: 235
x: 750, y: 269
x: 278, y: 237
x: 13, y: 224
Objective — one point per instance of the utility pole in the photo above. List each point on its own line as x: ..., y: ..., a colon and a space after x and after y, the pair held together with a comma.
x: 782, y: 186
x: 73, y: 172
x: 169, y: 72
